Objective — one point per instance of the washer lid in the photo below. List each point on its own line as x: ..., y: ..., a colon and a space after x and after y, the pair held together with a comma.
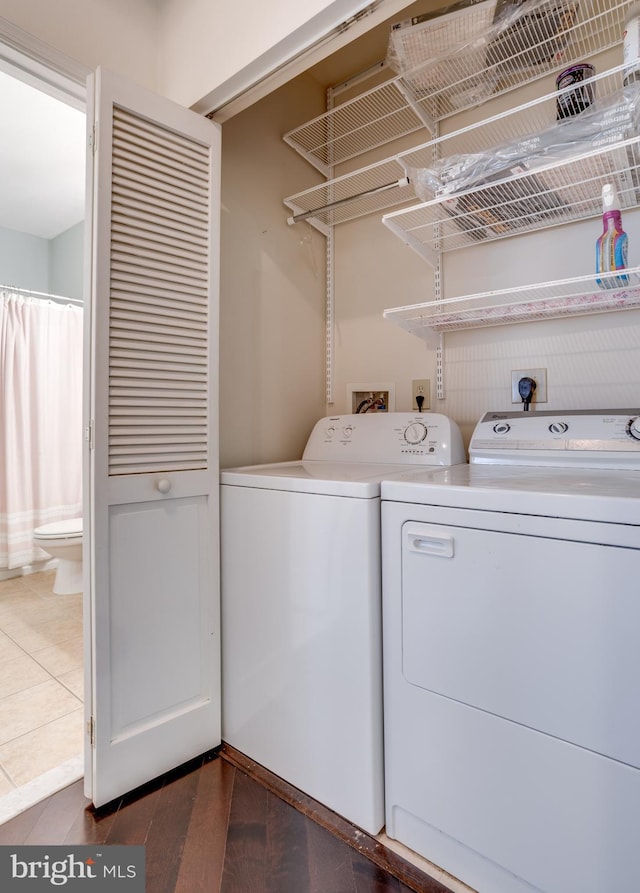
x: 354, y: 479
x: 58, y: 529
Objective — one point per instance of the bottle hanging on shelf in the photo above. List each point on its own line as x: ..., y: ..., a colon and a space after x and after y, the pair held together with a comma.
x: 612, y: 246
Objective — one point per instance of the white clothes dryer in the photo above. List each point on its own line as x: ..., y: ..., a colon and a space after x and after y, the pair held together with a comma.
x: 301, y: 604
x: 511, y: 611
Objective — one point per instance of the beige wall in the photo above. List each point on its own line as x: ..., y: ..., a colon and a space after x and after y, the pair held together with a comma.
x: 121, y: 35
x: 189, y: 49
x: 212, y: 51
x: 272, y: 313
x: 204, y: 43
x: 273, y: 280
x: 591, y: 362
x: 272, y: 305
x: 272, y: 287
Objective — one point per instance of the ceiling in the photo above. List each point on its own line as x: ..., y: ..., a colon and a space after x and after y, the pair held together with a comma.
x: 368, y: 49
x: 42, y: 154
x: 42, y: 161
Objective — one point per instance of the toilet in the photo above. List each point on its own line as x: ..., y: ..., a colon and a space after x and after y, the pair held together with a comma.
x: 63, y: 540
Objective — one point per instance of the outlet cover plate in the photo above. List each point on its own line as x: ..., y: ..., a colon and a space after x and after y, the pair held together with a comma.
x: 422, y: 387
x: 540, y: 378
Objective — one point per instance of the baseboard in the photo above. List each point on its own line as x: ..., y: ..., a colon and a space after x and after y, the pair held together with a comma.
x: 364, y: 843
x: 35, y: 568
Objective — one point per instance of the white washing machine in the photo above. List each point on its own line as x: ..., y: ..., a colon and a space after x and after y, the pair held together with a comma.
x: 511, y: 614
x: 301, y: 604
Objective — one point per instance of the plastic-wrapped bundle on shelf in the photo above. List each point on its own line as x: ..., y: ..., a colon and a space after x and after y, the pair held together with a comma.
x: 607, y: 121
x: 530, y: 33
x: 472, y: 47
x: 505, y: 208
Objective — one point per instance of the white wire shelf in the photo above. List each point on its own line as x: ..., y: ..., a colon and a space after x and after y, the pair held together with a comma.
x: 457, y: 67
x: 550, y: 195
x: 562, y: 298
x: 369, y: 189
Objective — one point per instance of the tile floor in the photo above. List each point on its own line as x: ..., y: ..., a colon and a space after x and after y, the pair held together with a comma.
x: 41, y: 700
x: 41, y: 679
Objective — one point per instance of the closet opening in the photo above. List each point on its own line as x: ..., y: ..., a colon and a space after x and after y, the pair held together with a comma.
x: 42, y: 292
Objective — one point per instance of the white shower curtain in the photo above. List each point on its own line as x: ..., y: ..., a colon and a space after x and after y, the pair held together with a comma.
x: 40, y: 421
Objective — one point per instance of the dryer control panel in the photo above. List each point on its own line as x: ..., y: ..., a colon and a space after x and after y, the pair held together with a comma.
x: 584, y: 438
x: 425, y: 438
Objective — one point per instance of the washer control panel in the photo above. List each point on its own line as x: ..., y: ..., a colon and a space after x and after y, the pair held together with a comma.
x: 589, y: 438
x: 427, y: 438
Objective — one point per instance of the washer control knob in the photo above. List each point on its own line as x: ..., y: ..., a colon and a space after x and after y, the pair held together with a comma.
x: 331, y: 431
x: 348, y: 431
x: 558, y: 427
x: 415, y: 433
x: 633, y: 428
x: 502, y: 427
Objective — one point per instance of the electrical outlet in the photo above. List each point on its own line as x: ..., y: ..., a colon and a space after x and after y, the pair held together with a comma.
x: 421, y: 387
x: 540, y: 378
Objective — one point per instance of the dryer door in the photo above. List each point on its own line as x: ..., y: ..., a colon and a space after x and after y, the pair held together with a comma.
x: 537, y: 629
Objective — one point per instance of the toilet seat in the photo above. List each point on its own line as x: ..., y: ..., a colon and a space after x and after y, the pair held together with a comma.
x: 71, y: 529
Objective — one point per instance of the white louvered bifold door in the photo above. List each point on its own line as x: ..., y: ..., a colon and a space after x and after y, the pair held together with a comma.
x: 158, y: 321
x: 151, y: 528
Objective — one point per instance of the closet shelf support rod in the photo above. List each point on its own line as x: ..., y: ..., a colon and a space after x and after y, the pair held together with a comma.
x: 297, y: 218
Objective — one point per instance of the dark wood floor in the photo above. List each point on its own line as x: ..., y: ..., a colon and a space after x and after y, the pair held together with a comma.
x: 221, y: 824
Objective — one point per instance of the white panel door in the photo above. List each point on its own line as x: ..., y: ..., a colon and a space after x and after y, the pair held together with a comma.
x: 151, y: 519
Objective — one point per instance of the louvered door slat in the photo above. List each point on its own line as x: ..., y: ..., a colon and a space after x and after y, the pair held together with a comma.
x: 180, y: 230
x: 149, y: 136
x: 124, y: 322
x: 143, y: 355
x: 161, y: 308
x: 134, y: 141
x: 151, y: 320
x: 158, y: 316
x: 169, y: 240
x: 137, y: 187
x: 164, y: 414
x: 161, y: 157
x: 140, y: 381
x: 188, y: 463
x: 177, y: 277
x: 163, y: 165
x: 130, y: 243
x: 126, y: 406
x: 129, y: 360
x: 167, y: 296
x: 144, y: 285
x: 161, y: 264
x: 157, y: 377
x: 136, y: 238
x: 174, y: 340
x: 166, y: 216
x: 167, y: 431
